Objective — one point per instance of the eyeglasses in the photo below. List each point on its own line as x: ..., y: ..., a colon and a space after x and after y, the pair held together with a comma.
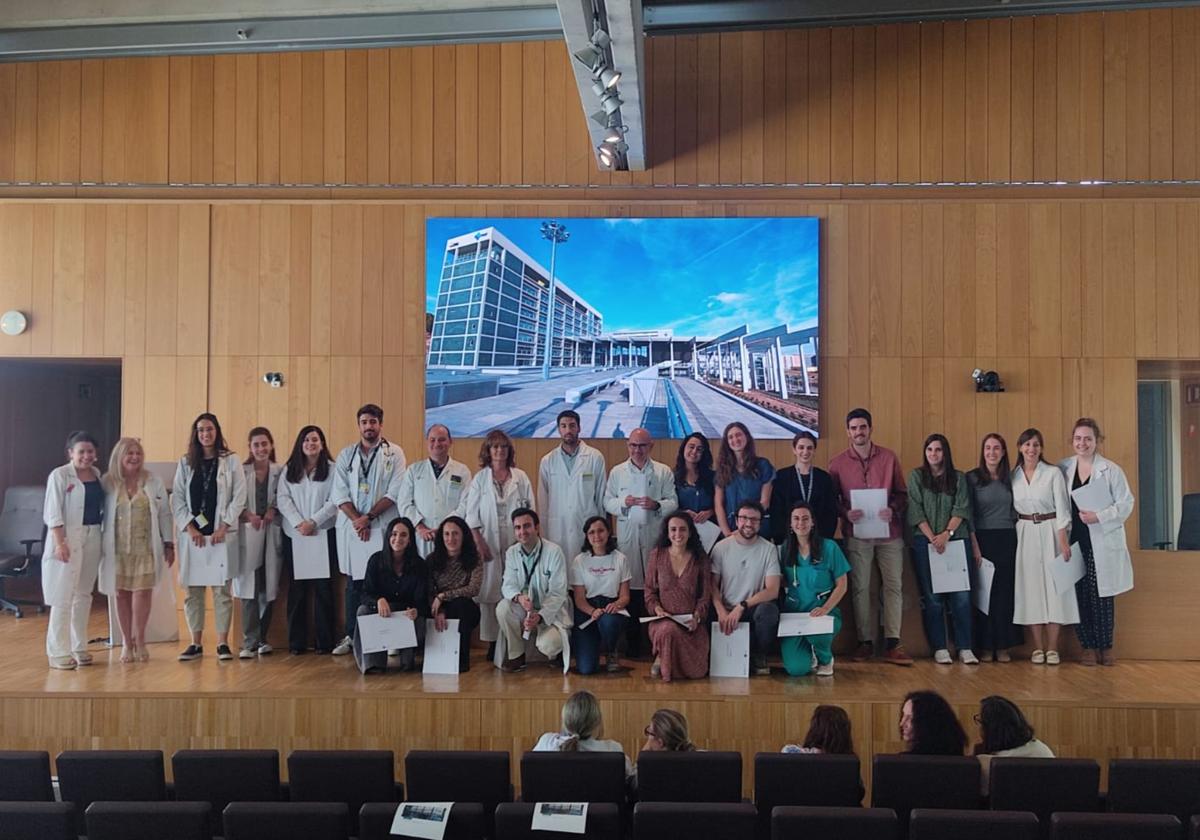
x: 639, y: 446
x: 754, y: 519
x: 649, y: 732
x: 977, y: 719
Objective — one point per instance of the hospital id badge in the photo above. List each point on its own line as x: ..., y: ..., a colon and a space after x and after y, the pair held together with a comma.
x: 363, y: 487
x: 200, y: 521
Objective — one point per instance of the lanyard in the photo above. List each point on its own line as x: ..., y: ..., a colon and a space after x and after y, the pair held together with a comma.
x: 537, y: 558
x: 206, y: 479
x: 364, y: 466
x: 806, y: 492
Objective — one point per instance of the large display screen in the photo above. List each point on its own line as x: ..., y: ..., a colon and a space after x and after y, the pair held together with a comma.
x: 674, y: 325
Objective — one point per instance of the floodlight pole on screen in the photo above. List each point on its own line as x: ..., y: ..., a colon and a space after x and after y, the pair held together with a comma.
x: 556, y: 232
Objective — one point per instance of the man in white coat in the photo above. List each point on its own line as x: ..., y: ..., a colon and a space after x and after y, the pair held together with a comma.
x: 571, y: 481
x: 640, y: 494
x: 433, y: 488
x: 533, y: 596
x: 366, y: 485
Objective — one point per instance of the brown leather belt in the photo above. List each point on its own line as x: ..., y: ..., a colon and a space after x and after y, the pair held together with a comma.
x: 1036, y: 517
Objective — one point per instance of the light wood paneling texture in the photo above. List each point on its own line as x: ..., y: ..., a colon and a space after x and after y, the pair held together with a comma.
x: 1110, y: 96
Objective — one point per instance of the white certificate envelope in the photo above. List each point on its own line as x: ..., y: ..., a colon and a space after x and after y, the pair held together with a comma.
x: 567, y: 817
x: 360, y: 551
x: 729, y: 656
x: 427, y: 820
x: 441, y: 649
x: 592, y: 621
x: 870, y: 502
x: 1092, y: 496
x: 310, y: 557
x: 804, y: 624
x: 207, y: 566
x: 948, y: 570
x: 1067, y: 574
x: 982, y: 593
x: 638, y: 515
x: 709, y: 534
x: 378, y: 633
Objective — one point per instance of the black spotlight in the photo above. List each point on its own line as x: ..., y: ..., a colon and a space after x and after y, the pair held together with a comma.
x: 987, y: 382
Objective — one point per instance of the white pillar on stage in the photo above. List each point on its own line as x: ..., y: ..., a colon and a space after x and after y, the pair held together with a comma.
x: 745, y: 356
x: 804, y: 368
x: 783, y: 392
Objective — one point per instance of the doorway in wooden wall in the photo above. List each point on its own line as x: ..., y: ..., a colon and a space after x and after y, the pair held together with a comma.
x: 44, y: 400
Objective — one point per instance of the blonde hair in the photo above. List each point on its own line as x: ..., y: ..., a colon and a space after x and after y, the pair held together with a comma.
x: 580, y: 720
x: 671, y: 727
x: 115, y: 477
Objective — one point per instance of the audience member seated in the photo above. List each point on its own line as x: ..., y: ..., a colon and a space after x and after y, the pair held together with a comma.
x: 395, y: 582
x: 582, y: 726
x: 828, y: 733
x: 1004, y: 732
x: 928, y: 726
x: 668, y: 732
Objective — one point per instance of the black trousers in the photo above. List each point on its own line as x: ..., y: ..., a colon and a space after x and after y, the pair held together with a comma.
x: 322, y: 598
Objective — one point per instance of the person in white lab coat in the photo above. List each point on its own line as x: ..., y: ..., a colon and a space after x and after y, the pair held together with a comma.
x: 570, y: 490
x: 534, y: 600
x: 207, y: 500
x: 73, y: 515
x: 433, y: 488
x: 1043, y: 522
x: 261, y: 543
x: 498, y: 489
x: 307, y: 508
x: 366, y: 487
x: 1108, y: 567
x: 138, y: 542
x: 640, y: 493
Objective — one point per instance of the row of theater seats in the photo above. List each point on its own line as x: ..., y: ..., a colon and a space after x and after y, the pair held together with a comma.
x: 512, y: 821
x: 900, y: 783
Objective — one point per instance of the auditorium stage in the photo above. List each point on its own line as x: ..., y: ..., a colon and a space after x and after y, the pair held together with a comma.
x: 1139, y: 709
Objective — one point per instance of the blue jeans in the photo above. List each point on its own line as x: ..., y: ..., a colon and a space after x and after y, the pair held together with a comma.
x: 602, y: 635
x: 934, y: 607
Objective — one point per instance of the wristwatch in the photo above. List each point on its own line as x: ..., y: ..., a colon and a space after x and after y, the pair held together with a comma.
x: 744, y: 606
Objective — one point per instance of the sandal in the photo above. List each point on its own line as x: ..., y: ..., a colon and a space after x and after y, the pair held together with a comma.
x: 1003, y: 656
x: 143, y: 655
x: 1038, y: 657
x: 1052, y: 657
x: 656, y: 669
x: 127, y: 653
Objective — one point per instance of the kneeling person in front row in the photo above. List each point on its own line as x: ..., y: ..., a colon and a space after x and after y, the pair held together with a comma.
x: 396, y: 581
x: 534, y: 593
x: 746, y: 584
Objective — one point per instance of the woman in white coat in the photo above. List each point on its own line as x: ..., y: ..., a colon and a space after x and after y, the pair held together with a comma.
x: 73, y: 515
x: 260, y: 543
x: 138, y: 542
x: 1043, y: 520
x: 498, y: 489
x: 1108, y: 567
x: 207, y: 500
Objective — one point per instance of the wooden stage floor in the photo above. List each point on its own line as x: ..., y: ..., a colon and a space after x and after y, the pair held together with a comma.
x: 1138, y: 709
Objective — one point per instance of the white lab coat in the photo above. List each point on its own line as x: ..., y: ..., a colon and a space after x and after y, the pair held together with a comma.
x: 427, y: 499
x: 1114, y: 565
x: 269, y: 551
x: 231, y: 501
x: 383, y: 479
x: 637, y: 541
x: 567, y: 500
x: 161, y: 524
x: 479, y: 509
x: 547, y: 587
x: 64, y: 506
x: 306, y: 499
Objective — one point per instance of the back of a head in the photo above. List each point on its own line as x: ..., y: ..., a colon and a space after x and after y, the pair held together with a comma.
x: 671, y: 728
x: 1002, y: 725
x: 936, y: 730
x: 829, y: 731
x: 581, y: 720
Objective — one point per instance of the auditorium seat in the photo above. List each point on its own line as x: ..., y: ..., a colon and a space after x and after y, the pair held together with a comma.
x: 149, y: 821
x: 699, y: 820
x: 689, y: 777
x: 87, y: 776
x: 789, y: 822
x: 804, y: 779
x: 1194, y: 832
x: 459, y: 776
x: 219, y: 777
x: 1044, y: 786
x: 573, y: 777
x: 513, y: 821
x: 349, y: 776
x: 944, y: 824
x: 904, y: 782
x: 1154, y: 786
x: 25, y: 776
x: 287, y: 821
x: 37, y: 821
x: 468, y: 821
x: 1075, y: 826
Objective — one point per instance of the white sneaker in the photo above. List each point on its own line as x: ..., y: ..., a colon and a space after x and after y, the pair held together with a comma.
x: 967, y: 657
x: 343, y: 647
x: 393, y: 651
x: 246, y: 653
x: 825, y: 670
x: 264, y: 648
x: 942, y: 656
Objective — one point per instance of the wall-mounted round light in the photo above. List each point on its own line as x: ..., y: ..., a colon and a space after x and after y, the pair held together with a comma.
x: 13, y: 322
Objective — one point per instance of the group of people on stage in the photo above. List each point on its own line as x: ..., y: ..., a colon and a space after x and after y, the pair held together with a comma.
x: 732, y: 540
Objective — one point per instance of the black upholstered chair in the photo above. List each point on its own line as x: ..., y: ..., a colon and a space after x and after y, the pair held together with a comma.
x: 37, y: 821
x: 513, y: 821
x: 804, y: 779
x: 1044, y: 786
x: 350, y: 776
x: 468, y: 821
x: 87, y: 776
x: 904, y: 782
x: 789, y: 822
x: 1077, y: 826
x: 219, y: 777
x: 287, y: 821
x: 21, y: 535
x: 573, y: 777
x: 1154, y: 786
x: 724, y: 820
x: 690, y: 777
x: 944, y: 824
x: 459, y: 776
x: 25, y: 776
x: 149, y: 821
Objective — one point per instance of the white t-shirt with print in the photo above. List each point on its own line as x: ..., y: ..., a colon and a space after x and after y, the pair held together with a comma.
x: 600, y: 576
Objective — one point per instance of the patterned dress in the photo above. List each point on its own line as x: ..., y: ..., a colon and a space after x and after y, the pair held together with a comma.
x: 681, y: 653
x: 135, y: 551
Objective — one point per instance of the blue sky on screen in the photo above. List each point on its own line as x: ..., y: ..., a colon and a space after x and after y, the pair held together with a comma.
x: 699, y: 277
